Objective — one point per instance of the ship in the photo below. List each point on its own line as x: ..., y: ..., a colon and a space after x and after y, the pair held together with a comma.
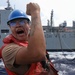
x: 61, y: 38
x: 4, y: 29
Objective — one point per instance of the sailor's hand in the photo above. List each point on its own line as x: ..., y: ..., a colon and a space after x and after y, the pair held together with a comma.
x: 32, y: 9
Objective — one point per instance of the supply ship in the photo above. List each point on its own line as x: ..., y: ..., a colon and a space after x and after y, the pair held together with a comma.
x: 61, y: 38
x: 57, y: 38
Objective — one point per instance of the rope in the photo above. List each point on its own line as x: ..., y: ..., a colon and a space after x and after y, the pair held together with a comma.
x: 58, y: 34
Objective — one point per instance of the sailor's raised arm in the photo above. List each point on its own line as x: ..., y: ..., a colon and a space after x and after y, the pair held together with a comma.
x: 37, y: 39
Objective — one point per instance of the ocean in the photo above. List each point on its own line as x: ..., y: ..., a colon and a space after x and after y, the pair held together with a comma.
x: 64, y: 62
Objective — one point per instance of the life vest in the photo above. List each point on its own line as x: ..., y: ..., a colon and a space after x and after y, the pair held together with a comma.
x: 39, y: 68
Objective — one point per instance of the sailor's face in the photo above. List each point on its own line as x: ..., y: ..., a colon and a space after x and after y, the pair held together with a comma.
x: 20, y: 29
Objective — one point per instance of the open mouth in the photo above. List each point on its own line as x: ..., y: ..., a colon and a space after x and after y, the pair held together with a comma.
x: 20, y: 32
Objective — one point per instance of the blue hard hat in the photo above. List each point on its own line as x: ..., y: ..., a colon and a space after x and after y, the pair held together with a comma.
x: 17, y: 14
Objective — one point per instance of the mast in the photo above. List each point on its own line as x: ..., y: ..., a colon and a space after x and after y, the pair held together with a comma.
x: 8, y: 3
x: 8, y: 6
x: 51, y: 19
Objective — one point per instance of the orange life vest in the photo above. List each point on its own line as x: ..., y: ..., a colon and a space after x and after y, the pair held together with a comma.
x: 35, y: 68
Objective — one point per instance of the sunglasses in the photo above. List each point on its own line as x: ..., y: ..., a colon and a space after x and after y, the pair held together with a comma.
x: 20, y: 22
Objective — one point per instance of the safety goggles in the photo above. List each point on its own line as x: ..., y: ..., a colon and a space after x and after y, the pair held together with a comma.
x: 20, y: 22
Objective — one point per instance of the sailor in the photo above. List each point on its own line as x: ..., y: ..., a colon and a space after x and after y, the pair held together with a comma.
x: 24, y: 50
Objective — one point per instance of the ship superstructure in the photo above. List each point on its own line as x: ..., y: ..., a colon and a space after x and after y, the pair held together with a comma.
x: 4, y: 29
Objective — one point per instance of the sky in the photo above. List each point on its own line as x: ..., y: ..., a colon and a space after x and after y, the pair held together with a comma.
x: 63, y: 9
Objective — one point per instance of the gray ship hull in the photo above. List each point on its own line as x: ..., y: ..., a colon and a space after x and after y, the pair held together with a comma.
x: 59, y: 41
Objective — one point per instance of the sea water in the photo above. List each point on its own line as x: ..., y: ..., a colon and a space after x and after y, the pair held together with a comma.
x: 64, y: 62
x: 2, y: 68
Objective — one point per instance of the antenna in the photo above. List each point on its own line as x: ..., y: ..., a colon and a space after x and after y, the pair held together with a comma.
x: 14, y: 6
